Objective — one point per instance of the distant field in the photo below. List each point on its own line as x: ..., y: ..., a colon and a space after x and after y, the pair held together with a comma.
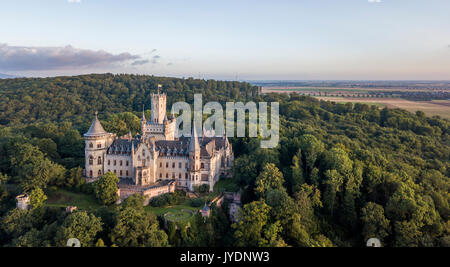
x: 431, y: 108
x: 287, y: 89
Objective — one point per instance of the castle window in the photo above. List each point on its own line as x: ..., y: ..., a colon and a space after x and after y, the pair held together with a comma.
x: 202, y: 165
x: 186, y: 165
x: 179, y: 176
x: 115, y: 162
x: 115, y: 171
x: 126, y: 173
x: 99, y: 145
x: 91, y: 145
x: 167, y: 164
x: 179, y: 165
x: 99, y: 173
x: 90, y: 173
x: 91, y: 160
x: 120, y: 172
x: 186, y: 176
x: 160, y: 175
x: 127, y: 163
x: 109, y: 162
x: 121, y: 163
x: 99, y: 161
x: 167, y: 175
x: 173, y: 175
x: 160, y: 164
x: 173, y: 165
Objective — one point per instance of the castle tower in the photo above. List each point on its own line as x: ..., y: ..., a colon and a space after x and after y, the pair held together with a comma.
x: 194, y: 159
x: 158, y: 107
x: 97, y: 142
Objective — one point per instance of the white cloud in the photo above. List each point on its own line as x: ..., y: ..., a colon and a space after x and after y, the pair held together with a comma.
x: 374, y: 1
x: 22, y: 58
x: 73, y: 1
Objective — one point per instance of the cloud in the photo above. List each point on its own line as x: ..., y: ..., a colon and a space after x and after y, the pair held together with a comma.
x: 21, y: 58
x: 140, y: 62
x: 155, y: 59
x: 73, y: 1
x: 374, y: 1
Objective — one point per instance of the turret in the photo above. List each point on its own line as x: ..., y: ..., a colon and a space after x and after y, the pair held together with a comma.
x: 97, y: 141
x: 194, y: 150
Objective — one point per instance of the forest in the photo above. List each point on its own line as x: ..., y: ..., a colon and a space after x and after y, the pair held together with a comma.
x: 342, y: 173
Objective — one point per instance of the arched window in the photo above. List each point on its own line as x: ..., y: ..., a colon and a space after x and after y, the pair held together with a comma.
x: 91, y: 145
x: 91, y: 173
x: 167, y: 175
x: 160, y: 175
x: 99, y: 161
x: 99, y: 173
x: 91, y: 160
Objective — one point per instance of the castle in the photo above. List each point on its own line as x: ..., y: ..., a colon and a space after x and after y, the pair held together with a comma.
x: 154, y: 162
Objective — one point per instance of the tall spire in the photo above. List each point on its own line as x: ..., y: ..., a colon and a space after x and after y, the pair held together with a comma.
x: 143, y: 113
x: 194, y: 145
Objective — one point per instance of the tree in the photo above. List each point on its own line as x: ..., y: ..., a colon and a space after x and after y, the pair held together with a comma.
x: 136, y: 228
x: 80, y: 225
x: 253, y: 228
x: 375, y: 225
x: 37, y: 198
x: 106, y: 189
x: 310, y: 148
x: 297, y: 172
x: 269, y: 178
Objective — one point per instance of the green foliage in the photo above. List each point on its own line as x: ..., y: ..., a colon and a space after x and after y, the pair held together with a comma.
x: 254, y: 228
x: 80, y: 225
x: 106, y: 189
x: 134, y: 228
x: 37, y: 198
x: 270, y: 178
x: 168, y: 199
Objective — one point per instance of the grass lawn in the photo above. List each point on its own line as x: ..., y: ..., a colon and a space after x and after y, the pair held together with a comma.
x: 174, y: 209
x: 63, y: 198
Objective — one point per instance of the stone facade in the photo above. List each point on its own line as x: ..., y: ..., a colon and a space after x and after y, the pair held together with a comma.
x: 154, y: 156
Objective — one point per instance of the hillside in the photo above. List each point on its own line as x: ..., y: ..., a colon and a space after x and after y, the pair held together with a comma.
x: 341, y: 174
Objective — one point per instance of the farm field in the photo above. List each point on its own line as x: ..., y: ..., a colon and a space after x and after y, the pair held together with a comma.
x: 430, y: 108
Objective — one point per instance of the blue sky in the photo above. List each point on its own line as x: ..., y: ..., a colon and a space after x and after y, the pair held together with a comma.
x: 248, y: 39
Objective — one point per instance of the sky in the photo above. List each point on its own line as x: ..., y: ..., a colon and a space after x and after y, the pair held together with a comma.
x: 228, y: 39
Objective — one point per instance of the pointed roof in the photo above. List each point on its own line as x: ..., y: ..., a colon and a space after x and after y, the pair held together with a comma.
x: 96, y: 128
x: 194, y: 145
x: 143, y: 113
x: 206, y: 208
